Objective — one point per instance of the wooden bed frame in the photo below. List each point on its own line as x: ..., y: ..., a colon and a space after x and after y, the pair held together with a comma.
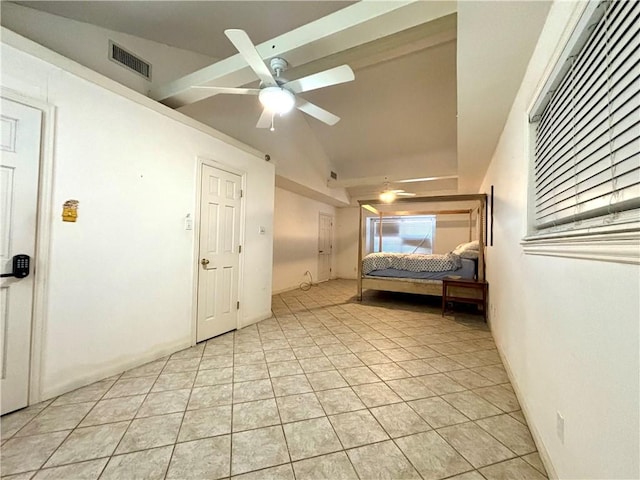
x: 423, y: 287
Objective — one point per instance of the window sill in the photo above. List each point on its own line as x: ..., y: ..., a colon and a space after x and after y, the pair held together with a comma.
x: 623, y: 247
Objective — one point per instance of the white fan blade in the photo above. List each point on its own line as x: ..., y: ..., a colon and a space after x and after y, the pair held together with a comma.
x: 317, y: 112
x: 265, y: 119
x: 326, y: 78
x: 234, y: 91
x: 245, y: 46
x: 405, y: 194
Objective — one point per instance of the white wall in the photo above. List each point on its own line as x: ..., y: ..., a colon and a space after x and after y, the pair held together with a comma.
x: 451, y: 231
x: 89, y: 45
x: 295, y: 239
x: 347, y: 241
x: 293, y: 146
x: 121, y: 279
x: 568, y: 328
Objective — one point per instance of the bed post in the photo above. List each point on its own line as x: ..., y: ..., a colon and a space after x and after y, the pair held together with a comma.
x: 380, y: 234
x: 360, y: 234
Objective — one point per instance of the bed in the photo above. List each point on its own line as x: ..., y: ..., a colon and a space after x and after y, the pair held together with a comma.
x: 423, y: 274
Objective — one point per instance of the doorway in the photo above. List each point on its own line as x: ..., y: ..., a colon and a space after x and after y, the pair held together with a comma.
x: 219, y: 252
x: 21, y: 132
x: 325, y: 247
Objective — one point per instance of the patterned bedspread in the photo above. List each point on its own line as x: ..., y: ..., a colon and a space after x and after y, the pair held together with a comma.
x: 413, y: 262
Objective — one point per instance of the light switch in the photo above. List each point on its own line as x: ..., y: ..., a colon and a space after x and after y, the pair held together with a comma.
x: 188, y: 222
x: 262, y: 230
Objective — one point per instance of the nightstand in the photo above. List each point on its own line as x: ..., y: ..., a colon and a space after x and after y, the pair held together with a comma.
x: 466, y: 291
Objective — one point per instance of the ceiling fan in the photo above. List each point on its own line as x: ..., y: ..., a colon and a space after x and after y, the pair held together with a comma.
x: 388, y: 194
x: 277, y: 95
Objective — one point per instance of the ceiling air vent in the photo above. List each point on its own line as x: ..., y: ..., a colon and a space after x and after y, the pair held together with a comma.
x: 129, y: 60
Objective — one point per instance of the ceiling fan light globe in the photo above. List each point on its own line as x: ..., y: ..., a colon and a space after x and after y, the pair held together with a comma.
x: 387, y: 196
x: 277, y: 99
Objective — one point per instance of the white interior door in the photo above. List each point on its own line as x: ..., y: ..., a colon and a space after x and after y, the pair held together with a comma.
x: 325, y: 247
x: 219, y: 253
x: 19, y: 165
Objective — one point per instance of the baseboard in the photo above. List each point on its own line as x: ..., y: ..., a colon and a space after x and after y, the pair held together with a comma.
x: 315, y: 282
x: 114, y: 368
x: 346, y: 277
x: 285, y: 290
x: 537, y: 438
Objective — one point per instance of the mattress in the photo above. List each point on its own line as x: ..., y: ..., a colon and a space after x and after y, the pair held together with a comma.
x: 468, y: 270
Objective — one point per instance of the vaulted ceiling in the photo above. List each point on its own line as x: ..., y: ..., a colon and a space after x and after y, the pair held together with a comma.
x: 432, y: 88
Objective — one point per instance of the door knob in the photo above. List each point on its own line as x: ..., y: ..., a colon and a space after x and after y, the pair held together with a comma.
x: 204, y: 262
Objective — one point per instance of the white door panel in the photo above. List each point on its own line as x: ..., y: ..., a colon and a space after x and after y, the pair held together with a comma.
x: 219, y: 253
x: 325, y: 247
x: 20, y: 151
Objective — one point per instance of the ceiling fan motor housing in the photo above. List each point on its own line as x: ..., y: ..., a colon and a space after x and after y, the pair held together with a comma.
x: 278, y: 65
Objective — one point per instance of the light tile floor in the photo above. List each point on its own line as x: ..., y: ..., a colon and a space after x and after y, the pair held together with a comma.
x: 328, y: 388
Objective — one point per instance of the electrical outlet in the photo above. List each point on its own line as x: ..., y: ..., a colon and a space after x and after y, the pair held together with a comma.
x: 560, y: 426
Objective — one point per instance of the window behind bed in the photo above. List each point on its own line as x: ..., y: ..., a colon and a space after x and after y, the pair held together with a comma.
x: 406, y: 234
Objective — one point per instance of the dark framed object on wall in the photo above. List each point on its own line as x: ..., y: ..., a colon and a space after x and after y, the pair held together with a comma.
x: 490, y: 216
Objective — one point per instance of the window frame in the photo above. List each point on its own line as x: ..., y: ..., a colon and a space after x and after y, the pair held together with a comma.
x: 618, y: 243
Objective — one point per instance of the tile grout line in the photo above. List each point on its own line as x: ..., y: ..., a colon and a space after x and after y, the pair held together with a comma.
x: 184, y: 413
x: 371, y: 414
x: 55, y: 431
x: 327, y: 417
x: 336, y: 324
x: 75, y: 428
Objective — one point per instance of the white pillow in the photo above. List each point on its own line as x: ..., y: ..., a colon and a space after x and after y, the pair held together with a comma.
x: 472, y: 254
x: 475, y: 245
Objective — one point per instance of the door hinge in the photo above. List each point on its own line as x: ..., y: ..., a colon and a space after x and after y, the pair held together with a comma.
x: 238, y: 305
x: 241, y: 193
x: 239, y: 248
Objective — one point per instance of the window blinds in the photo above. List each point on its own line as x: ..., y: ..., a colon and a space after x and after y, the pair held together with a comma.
x: 587, y: 142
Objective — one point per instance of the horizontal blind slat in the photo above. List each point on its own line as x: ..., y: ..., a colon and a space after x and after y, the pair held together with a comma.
x: 594, y: 111
x: 621, y: 133
x: 586, y: 154
x: 626, y: 155
x: 594, y: 80
x: 588, y: 71
x: 591, y: 148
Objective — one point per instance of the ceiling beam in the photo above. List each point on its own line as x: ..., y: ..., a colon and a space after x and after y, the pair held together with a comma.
x: 380, y: 181
x: 337, y: 200
x: 405, y: 42
x: 350, y: 27
x: 482, y: 197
